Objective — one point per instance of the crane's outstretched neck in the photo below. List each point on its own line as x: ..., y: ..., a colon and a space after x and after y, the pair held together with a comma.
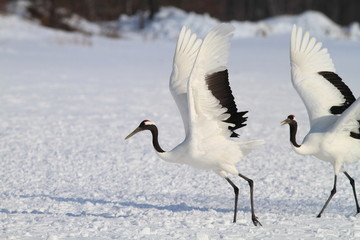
x: 293, y: 130
x: 148, y: 125
x: 155, y: 134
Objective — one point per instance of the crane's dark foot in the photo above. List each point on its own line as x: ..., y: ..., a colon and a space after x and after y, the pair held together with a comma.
x: 319, y: 215
x: 255, y: 221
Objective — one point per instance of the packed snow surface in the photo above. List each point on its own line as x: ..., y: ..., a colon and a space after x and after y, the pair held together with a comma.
x: 67, y: 102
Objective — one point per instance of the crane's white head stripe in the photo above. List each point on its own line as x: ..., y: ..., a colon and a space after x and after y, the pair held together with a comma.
x: 148, y: 122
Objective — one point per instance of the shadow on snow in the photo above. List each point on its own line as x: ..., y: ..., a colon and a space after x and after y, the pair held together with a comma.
x: 182, y: 207
x: 288, y: 206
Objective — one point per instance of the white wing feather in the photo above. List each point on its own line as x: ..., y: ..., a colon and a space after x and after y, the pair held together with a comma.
x: 348, y: 121
x: 185, y: 54
x: 308, y: 58
x: 206, y: 112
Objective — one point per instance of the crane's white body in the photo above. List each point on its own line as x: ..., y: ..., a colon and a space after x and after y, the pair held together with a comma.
x: 330, y: 148
x: 207, y: 144
x: 329, y: 136
x: 209, y: 154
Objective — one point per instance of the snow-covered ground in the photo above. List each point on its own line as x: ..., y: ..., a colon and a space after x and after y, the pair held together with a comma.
x: 68, y: 101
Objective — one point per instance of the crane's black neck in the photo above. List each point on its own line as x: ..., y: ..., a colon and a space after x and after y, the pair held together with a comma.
x: 293, y: 130
x: 155, y: 133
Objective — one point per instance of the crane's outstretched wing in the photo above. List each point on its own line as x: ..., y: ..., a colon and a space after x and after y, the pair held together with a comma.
x: 212, y: 109
x: 185, y: 54
x: 348, y: 123
x: 314, y: 77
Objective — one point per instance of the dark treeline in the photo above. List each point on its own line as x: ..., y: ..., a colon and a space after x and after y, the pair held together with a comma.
x: 343, y: 12
x: 49, y: 12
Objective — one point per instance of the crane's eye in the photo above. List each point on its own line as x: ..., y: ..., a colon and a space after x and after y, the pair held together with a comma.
x: 292, y: 117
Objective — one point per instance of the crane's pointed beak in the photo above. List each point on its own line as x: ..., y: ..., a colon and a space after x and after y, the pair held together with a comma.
x: 133, y: 133
x: 286, y: 121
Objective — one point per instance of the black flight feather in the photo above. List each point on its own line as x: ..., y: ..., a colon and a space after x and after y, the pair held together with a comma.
x: 335, y: 80
x: 218, y: 84
x: 354, y: 134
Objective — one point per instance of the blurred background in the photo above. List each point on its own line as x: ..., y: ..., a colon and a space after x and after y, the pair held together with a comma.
x: 55, y: 13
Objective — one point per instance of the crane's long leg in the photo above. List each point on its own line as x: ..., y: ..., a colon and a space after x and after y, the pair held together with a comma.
x: 352, y: 182
x: 333, y: 191
x: 236, y: 190
x: 251, y: 184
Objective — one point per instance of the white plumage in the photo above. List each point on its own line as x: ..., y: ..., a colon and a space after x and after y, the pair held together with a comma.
x: 200, y: 87
x: 186, y: 51
x: 333, y: 111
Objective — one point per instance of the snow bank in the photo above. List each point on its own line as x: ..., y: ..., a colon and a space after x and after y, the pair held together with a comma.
x: 169, y: 21
x: 15, y: 28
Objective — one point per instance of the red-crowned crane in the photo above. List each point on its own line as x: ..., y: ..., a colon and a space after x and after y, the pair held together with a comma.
x: 199, y: 84
x: 333, y: 111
